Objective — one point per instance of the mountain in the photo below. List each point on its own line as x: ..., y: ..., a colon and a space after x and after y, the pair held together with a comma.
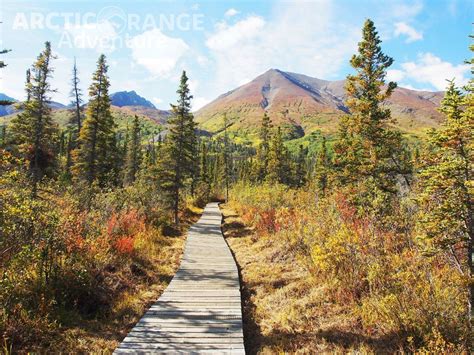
x: 4, y: 97
x: 151, y: 126
x: 123, y: 103
x: 159, y: 116
x: 56, y: 105
x: 129, y: 98
x: 133, y: 104
x: 301, y: 104
x: 8, y: 109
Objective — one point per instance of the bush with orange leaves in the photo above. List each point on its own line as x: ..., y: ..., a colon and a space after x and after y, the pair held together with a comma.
x: 122, y: 228
x: 376, y: 271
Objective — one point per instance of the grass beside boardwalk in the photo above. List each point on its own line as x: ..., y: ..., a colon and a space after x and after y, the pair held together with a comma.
x: 290, y: 306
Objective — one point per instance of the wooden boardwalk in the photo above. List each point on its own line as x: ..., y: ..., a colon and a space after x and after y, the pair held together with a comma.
x: 200, y: 311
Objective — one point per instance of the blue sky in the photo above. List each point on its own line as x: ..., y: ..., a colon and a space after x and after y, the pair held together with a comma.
x: 223, y: 44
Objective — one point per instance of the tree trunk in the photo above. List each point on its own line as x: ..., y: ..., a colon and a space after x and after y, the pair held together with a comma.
x: 176, y: 206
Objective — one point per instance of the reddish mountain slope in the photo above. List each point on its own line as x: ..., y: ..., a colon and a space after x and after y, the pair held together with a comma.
x: 301, y: 104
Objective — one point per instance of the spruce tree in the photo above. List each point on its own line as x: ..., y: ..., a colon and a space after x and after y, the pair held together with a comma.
x: 4, y: 136
x: 92, y: 159
x: 278, y: 160
x: 76, y: 102
x: 204, y: 164
x: 70, y: 147
x: 133, y: 156
x: 33, y: 129
x: 369, y: 156
x: 322, y: 168
x: 300, y: 169
x: 264, y: 148
x: 150, y: 154
x: 180, y: 150
x: 28, y: 85
x: 446, y: 185
x: 226, y: 159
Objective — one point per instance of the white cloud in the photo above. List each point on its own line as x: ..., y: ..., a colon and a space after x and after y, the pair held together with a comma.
x: 157, y: 100
x: 202, y: 60
x: 395, y: 75
x: 158, y: 53
x: 199, y: 102
x: 99, y: 36
x: 410, y: 87
x: 302, y: 36
x: 228, y: 36
x: 401, y: 28
x: 231, y: 12
x: 193, y: 84
x: 406, y: 10
x: 430, y: 69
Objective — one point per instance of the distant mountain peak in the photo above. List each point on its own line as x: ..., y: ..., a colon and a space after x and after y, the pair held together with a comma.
x: 307, y: 103
x: 129, y: 98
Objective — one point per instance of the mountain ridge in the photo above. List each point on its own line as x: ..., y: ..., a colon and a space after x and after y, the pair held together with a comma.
x: 300, y: 103
x: 129, y: 98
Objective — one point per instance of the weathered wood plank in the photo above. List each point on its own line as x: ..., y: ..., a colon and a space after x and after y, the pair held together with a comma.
x: 177, y: 327
x: 200, y: 311
x: 189, y: 331
x: 141, y: 348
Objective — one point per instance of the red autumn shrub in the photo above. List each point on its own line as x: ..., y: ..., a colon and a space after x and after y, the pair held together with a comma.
x: 122, y: 229
x: 124, y: 245
x: 267, y: 222
x: 126, y: 223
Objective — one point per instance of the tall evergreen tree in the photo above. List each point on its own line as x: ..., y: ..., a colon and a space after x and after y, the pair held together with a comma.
x: 133, y: 154
x: 34, y: 131
x: 204, y: 164
x: 150, y: 154
x: 301, y: 169
x: 227, y: 162
x: 76, y: 102
x: 264, y: 148
x: 97, y: 137
x: 69, y: 148
x: 369, y: 156
x: 278, y: 160
x: 178, y: 164
x: 28, y: 85
x: 446, y: 184
x: 322, y: 168
x: 3, y: 143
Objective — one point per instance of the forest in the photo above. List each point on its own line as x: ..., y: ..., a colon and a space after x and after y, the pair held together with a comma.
x: 362, y: 244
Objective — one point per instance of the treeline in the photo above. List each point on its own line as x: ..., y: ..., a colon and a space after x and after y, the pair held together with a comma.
x: 91, y: 154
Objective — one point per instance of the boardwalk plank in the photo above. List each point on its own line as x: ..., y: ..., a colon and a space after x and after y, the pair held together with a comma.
x: 200, y: 311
